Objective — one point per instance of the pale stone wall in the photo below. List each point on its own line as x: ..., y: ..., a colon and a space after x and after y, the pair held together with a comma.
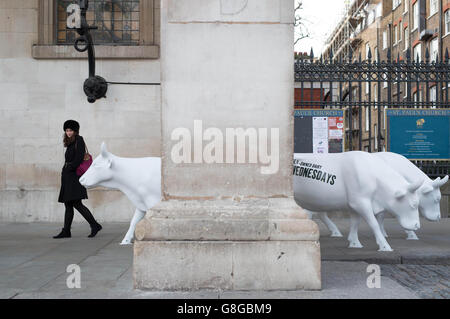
x: 37, y: 96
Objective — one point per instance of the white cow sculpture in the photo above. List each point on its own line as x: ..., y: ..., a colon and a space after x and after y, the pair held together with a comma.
x: 138, y: 178
x: 359, y: 183
x: 429, y: 193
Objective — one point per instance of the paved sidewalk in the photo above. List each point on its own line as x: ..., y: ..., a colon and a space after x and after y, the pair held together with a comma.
x: 433, y: 246
x: 33, y: 265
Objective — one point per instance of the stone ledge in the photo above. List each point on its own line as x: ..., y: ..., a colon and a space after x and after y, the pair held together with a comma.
x: 101, y: 52
x: 227, y: 220
x: 227, y: 230
x: 236, y: 265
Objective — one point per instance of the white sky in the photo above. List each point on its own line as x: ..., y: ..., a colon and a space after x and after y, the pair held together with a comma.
x: 321, y: 17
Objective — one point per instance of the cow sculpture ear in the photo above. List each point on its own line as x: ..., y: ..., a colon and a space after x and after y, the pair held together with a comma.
x: 427, y: 189
x: 415, y: 186
x: 400, y: 193
x: 104, y: 151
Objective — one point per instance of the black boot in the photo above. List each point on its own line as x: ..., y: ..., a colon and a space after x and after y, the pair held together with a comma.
x: 65, y: 233
x: 95, y: 229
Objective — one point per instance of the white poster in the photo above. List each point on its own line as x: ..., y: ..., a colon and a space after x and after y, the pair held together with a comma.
x: 320, y: 134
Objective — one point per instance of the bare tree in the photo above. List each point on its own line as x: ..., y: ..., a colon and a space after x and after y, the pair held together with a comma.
x: 301, y: 30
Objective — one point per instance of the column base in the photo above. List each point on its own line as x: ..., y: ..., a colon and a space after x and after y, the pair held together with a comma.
x: 254, y: 244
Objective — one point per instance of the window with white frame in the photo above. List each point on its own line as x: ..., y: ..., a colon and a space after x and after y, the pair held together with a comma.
x: 417, y: 53
x: 405, y: 6
x: 400, y: 33
x: 367, y: 118
x: 406, y: 38
x: 375, y: 96
x: 367, y: 87
x: 416, y: 15
x: 375, y: 57
x: 447, y: 22
x: 385, y: 40
x: 375, y: 133
x: 367, y: 50
x: 433, y: 7
x: 396, y: 34
x: 396, y: 3
x: 433, y: 96
x: 434, y: 51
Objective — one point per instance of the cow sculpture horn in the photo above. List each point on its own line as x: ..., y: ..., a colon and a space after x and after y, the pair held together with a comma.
x: 441, y: 182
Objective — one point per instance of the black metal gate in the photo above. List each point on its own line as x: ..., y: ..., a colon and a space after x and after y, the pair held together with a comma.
x: 373, y: 85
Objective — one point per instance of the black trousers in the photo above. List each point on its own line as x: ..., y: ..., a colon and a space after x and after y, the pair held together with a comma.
x: 84, y: 211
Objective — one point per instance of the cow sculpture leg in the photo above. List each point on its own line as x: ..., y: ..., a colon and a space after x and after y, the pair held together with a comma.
x: 366, y: 211
x: 380, y: 219
x: 138, y: 215
x: 353, y: 234
x: 327, y: 221
x: 330, y: 225
x: 411, y: 235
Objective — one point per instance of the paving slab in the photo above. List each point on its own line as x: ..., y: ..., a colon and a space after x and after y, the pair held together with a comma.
x: 33, y: 265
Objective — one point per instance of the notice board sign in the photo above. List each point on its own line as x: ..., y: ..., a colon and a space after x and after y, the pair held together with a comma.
x: 419, y: 134
x: 319, y: 131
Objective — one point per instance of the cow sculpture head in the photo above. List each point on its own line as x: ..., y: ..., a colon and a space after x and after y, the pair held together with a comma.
x: 100, y: 172
x: 405, y: 206
x: 430, y: 198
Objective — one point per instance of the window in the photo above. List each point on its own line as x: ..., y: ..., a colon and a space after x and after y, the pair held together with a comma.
x: 447, y: 22
x: 367, y: 87
x: 130, y: 24
x: 375, y: 57
x: 433, y: 7
x: 400, y: 32
x: 375, y: 96
x: 417, y: 52
x: 367, y: 50
x: 396, y: 3
x: 416, y: 15
x: 396, y: 34
x: 385, y: 44
x: 434, y: 49
x: 433, y: 96
x: 375, y: 133
x: 406, y: 38
x: 405, y: 6
x: 117, y: 22
x: 367, y: 118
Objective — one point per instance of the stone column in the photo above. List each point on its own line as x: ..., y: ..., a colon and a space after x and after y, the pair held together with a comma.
x: 227, y: 221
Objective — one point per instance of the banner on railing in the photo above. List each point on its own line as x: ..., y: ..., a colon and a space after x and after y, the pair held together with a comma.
x: 419, y: 134
x: 319, y: 131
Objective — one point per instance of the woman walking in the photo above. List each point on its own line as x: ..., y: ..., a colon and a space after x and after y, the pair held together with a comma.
x: 72, y: 192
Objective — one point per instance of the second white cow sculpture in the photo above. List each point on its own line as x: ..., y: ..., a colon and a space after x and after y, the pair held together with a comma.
x: 359, y: 183
x: 138, y: 178
x: 429, y: 193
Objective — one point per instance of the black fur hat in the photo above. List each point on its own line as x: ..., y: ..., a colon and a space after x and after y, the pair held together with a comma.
x: 72, y: 124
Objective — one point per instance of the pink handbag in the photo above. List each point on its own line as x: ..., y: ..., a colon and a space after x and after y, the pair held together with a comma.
x: 84, y: 166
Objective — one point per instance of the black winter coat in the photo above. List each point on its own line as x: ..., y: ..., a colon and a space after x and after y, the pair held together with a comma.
x: 71, y: 189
